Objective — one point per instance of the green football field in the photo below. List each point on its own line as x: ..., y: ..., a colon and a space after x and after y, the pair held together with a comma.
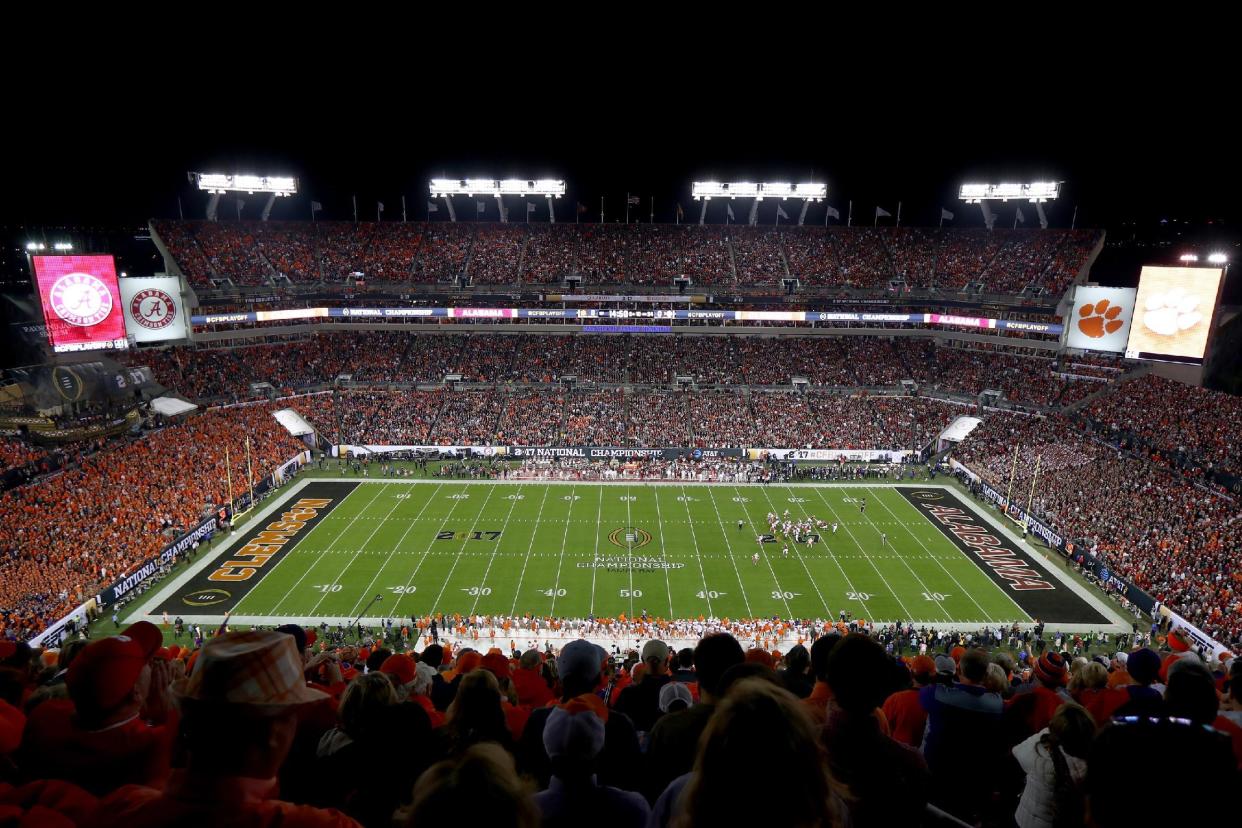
x: 577, y: 550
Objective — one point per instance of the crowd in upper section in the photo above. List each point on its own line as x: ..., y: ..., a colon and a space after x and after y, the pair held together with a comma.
x: 843, y: 362
x: 256, y: 253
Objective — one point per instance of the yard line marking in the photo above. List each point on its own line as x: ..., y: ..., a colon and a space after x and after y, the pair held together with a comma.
x: 848, y: 581
x: 564, y: 539
x: 724, y: 530
x: 927, y: 592
x: 668, y: 585
x: 969, y: 593
x: 699, y: 558
x: 308, y: 569
x: 518, y: 591
x: 866, y: 555
x: 797, y: 552
x: 495, y: 551
x: 395, y: 547
x: 629, y: 548
x: 361, y: 546
x: 457, y: 558
x: 599, y: 514
x: 427, y: 553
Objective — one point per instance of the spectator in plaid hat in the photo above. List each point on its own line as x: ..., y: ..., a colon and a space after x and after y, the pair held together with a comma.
x: 861, y: 674
x: 580, y: 665
x: 1034, y: 705
x: 906, y: 717
x: 118, y: 724
x: 674, y: 739
x: 573, y: 738
x: 239, y: 709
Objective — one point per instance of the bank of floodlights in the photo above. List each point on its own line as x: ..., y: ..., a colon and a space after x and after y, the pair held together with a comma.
x: 542, y: 187
x: 707, y: 190
x: 1037, y: 192
x: 220, y: 183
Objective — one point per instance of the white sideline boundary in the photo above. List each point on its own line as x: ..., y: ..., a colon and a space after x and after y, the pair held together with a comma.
x: 147, y: 611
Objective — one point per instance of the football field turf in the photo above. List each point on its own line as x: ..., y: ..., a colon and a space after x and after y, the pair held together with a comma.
x: 324, y: 551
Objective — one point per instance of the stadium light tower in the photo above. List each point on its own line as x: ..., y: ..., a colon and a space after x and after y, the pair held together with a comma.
x: 1037, y: 193
x: 1188, y: 257
x: 1218, y: 258
x: 705, y: 191
x: 217, y: 184
x: 549, y: 188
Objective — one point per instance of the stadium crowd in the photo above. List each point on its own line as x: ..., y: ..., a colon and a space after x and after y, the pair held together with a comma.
x: 68, y: 534
x: 282, y: 728
x: 1183, y: 426
x: 253, y: 253
x: 1170, y: 537
x: 381, y: 357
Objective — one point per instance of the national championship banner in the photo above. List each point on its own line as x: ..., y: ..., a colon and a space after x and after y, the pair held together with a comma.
x: 81, y: 302
x: 201, y: 532
x: 153, y: 309
x: 1101, y: 319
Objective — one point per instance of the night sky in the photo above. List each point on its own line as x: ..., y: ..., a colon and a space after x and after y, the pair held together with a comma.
x: 1123, y: 154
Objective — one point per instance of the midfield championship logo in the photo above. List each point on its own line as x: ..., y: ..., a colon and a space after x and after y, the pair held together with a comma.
x: 80, y: 299
x: 153, y: 309
x: 629, y: 537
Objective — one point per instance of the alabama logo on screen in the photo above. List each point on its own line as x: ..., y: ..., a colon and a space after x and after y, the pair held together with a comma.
x: 80, y: 299
x: 153, y: 309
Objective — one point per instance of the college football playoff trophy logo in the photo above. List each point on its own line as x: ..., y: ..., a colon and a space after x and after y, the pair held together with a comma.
x: 153, y: 309
x: 80, y: 299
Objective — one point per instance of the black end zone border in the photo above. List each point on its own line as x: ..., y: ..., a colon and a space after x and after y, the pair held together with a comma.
x: 227, y: 578
x: 1011, y: 567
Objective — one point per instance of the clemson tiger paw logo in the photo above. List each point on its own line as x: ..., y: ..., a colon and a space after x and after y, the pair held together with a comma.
x: 1170, y: 313
x: 1099, y: 318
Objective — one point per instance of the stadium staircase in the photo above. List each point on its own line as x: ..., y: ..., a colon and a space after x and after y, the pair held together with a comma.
x: 732, y: 262
x: 521, y: 262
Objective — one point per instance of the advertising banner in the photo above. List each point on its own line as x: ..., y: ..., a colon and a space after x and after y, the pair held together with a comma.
x: 153, y: 309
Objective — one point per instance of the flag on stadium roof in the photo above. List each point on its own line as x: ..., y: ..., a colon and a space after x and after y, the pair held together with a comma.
x: 632, y: 201
x: 780, y: 212
x: 880, y: 212
x: 432, y: 208
x: 834, y: 212
x: 945, y: 214
x: 480, y: 205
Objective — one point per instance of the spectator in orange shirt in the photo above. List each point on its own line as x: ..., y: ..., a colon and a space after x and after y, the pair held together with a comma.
x: 905, y: 714
x: 240, y: 717
x: 117, y: 725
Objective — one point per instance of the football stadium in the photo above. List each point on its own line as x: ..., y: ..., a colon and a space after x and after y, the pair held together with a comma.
x: 519, y: 499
